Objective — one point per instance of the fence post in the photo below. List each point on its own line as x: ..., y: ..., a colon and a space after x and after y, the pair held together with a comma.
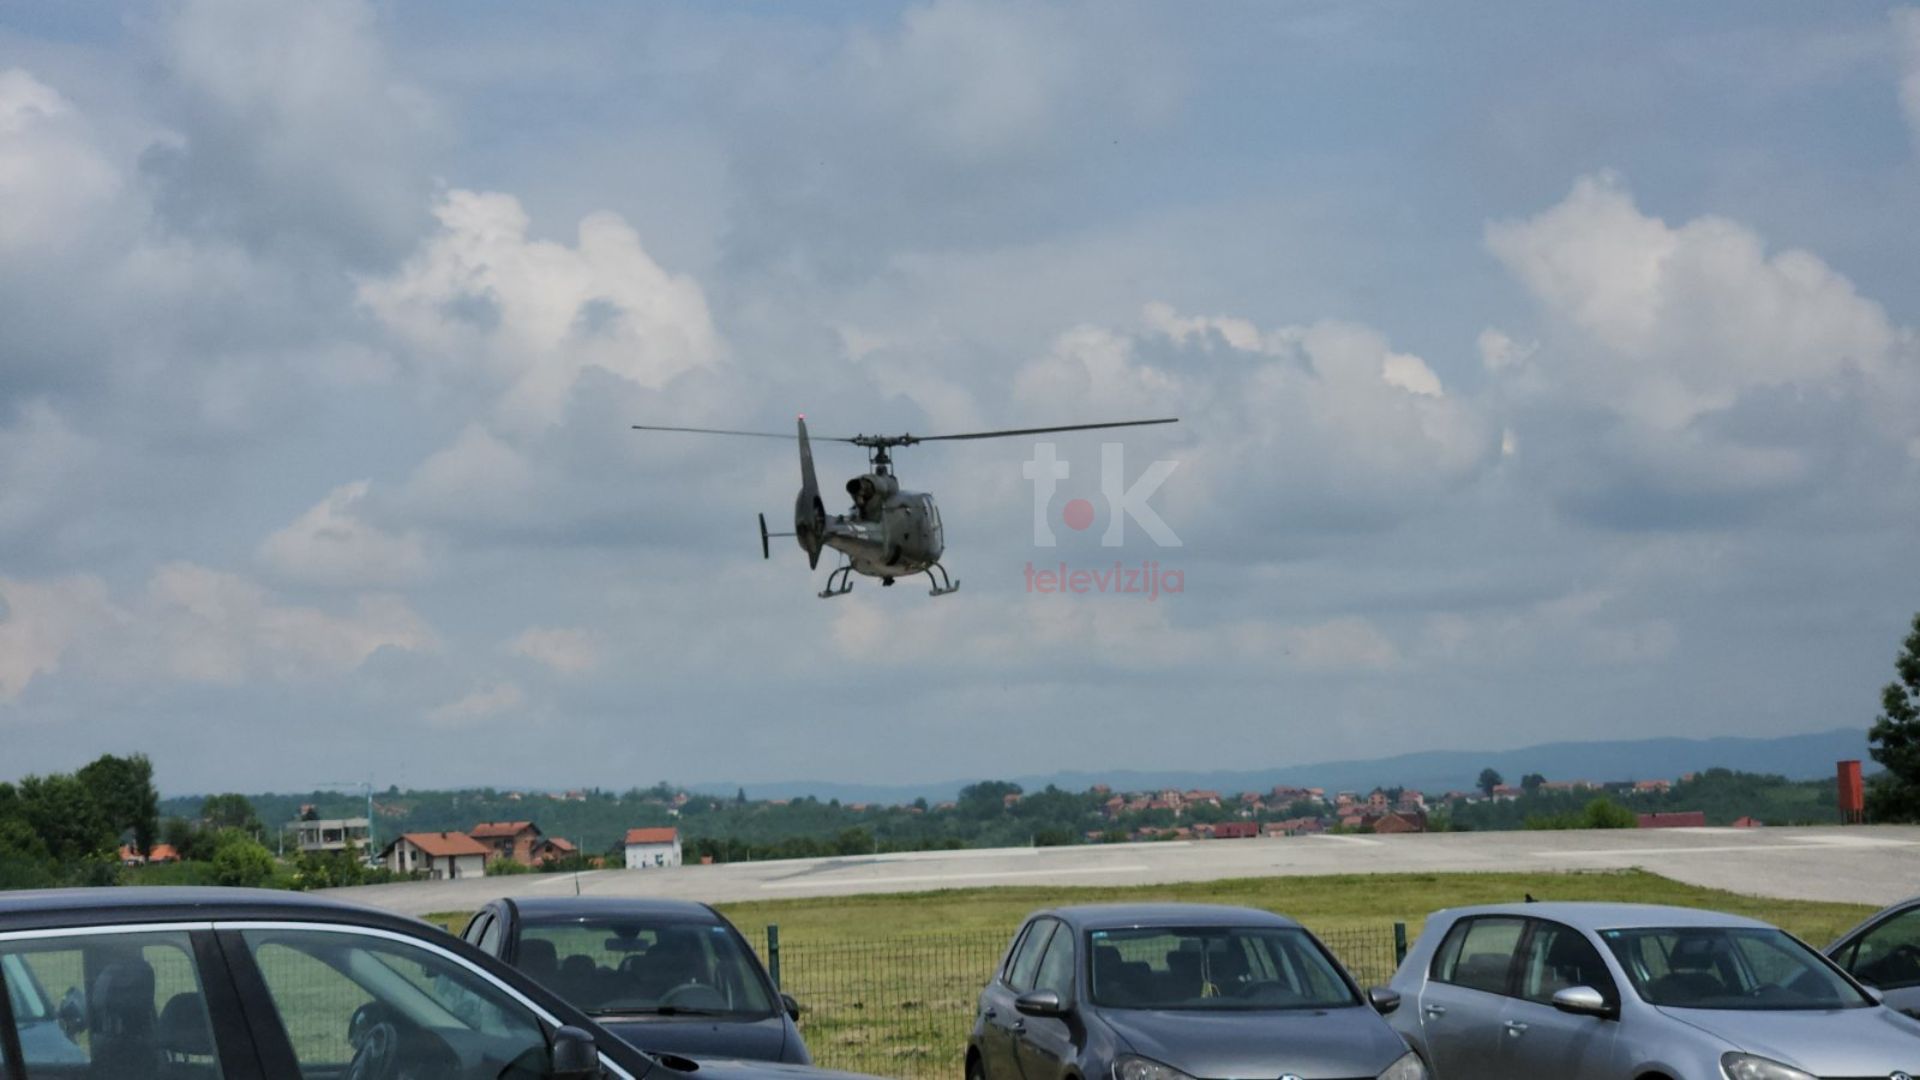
x: 773, y: 953
x: 1399, y: 945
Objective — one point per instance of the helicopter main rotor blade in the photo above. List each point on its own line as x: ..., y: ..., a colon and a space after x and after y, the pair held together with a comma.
x: 1011, y: 432
x: 748, y: 434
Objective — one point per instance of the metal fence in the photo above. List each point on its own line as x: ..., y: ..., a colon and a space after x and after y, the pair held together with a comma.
x: 903, y: 1006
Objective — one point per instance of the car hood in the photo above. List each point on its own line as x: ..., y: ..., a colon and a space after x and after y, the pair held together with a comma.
x: 1824, y: 1042
x: 1309, y: 1042
x: 701, y: 1038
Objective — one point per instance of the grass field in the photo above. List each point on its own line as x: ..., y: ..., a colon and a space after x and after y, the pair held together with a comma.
x: 889, y: 981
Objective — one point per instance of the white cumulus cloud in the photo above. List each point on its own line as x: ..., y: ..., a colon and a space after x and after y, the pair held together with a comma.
x: 480, y: 297
x: 567, y: 650
x: 482, y: 703
x: 333, y: 544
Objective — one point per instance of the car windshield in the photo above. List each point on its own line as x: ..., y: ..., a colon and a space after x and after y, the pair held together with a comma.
x: 1214, y: 968
x: 1735, y: 968
x: 636, y: 967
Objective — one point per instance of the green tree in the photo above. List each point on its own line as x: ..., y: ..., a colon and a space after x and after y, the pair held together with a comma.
x: 1895, y: 738
x: 63, y: 813
x: 1532, y: 783
x: 122, y: 787
x: 1490, y: 779
x: 239, y: 859
x: 231, y: 811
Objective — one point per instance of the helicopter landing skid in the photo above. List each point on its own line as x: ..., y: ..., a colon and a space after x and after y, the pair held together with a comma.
x: 844, y: 576
x: 942, y: 584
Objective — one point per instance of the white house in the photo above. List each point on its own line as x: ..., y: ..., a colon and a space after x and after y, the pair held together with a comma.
x: 443, y: 855
x: 648, y: 848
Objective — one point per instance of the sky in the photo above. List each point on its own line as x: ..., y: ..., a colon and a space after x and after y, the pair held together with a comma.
x: 1543, y: 372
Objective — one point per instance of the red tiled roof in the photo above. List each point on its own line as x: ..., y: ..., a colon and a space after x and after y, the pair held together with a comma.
x: 501, y: 829
x: 441, y: 845
x: 163, y: 853
x: 561, y: 843
x: 652, y: 836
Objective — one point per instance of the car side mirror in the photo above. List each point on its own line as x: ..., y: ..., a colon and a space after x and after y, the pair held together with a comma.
x: 1583, y: 1001
x: 575, y: 1055
x: 791, y: 1006
x: 1040, y: 1003
x: 1384, y: 999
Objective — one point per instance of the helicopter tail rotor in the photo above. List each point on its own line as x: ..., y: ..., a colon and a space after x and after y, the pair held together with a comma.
x: 809, y: 513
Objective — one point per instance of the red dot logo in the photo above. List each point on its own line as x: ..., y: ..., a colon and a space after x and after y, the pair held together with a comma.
x: 1078, y: 514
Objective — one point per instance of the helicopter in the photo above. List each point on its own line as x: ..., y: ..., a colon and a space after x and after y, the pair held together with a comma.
x: 887, y: 533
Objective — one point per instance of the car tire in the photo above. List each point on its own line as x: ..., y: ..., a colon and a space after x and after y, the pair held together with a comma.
x: 976, y: 1069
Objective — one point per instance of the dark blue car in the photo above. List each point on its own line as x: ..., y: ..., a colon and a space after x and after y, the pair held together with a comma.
x: 1175, y: 992
x: 666, y: 975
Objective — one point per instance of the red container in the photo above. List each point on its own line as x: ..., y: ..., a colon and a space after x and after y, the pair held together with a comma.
x: 1853, y: 796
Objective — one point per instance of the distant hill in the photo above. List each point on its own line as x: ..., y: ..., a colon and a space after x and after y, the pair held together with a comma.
x: 1796, y: 757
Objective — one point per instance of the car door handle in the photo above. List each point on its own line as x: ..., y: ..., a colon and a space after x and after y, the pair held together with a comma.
x: 1436, y: 1010
x: 1019, y: 1027
x: 988, y: 1014
x: 1516, y: 1029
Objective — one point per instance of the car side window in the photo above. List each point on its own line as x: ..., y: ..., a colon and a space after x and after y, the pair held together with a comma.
x: 109, y: 1005
x: 1558, y: 958
x: 477, y: 926
x: 1056, y: 968
x: 359, y: 1005
x: 1026, y: 961
x: 1483, y: 954
x: 1888, y: 956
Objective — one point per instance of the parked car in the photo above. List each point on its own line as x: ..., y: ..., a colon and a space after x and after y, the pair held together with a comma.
x: 1174, y: 991
x: 1631, y: 992
x: 666, y: 975
x: 184, y: 984
x: 1884, y: 953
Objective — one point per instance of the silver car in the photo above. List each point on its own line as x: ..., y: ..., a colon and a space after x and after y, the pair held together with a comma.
x: 1884, y: 953
x: 1632, y: 992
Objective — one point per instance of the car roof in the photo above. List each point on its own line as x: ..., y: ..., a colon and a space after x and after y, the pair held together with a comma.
x: 1609, y: 916
x: 575, y: 907
x: 1117, y: 916
x: 37, y: 909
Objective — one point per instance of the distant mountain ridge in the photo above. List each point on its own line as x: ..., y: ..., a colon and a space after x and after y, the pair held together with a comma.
x: 1796, y: 757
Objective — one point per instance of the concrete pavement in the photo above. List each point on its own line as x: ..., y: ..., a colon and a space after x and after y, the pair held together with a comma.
x: 1869, y: 865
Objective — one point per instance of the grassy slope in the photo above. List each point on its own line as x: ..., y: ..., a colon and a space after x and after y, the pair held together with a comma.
x: 1334, y: 902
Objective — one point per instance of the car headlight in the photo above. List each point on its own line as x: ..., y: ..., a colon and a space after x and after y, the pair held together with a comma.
x: 1748, y: 1067
x: 1135, y: 1067
x: 1407, y: 1068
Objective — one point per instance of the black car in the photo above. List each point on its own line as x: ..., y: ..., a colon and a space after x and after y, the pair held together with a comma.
x: 666, y: 975
x: 238, y: 984
x: 1177, y: 991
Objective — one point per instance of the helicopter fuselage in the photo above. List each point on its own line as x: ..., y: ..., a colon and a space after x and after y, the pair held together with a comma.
x: 887, y: 533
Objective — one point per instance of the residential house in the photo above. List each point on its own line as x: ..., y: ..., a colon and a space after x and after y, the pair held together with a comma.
x: 518, y: 841
x: 1235, y: 830
x: 553, y: 848
x: 443, y: 856
x: 162, y: 853
x: 1653, y: 787
x: 1394, y: 823
x: 130, y: 856
x: 651, y: 848
x: 316, y: 835
x: 1749, y: 823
